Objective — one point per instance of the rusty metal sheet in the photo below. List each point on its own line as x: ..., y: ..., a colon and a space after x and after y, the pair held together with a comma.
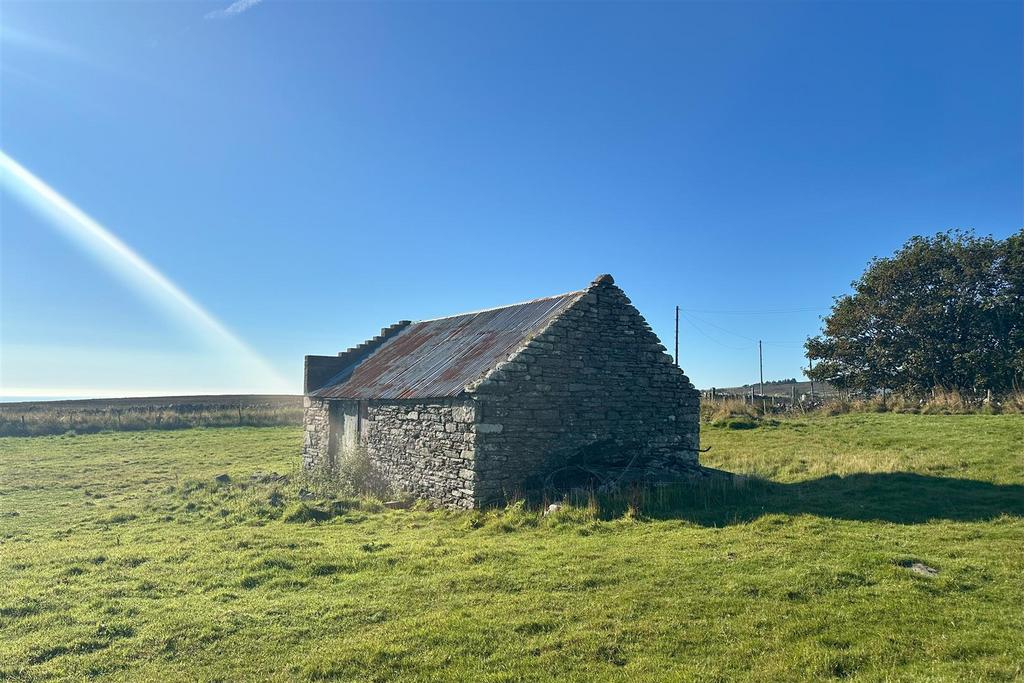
x: 439, y: 358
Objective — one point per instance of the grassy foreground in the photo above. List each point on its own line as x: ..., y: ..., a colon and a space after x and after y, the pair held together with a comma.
x: 121, y: 558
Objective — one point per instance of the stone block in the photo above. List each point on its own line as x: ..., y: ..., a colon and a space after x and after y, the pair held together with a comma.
x: 487, y: 428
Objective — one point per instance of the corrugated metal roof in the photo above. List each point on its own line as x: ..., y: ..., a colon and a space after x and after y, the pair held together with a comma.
x: 439, y: 358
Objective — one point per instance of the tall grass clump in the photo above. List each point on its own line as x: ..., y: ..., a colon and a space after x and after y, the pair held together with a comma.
x: 938, y: 402
x: 739, y: 414
x: 1014, y: 403
x: 731, y: 413
x: 353, y: 474
x: 948, y: 402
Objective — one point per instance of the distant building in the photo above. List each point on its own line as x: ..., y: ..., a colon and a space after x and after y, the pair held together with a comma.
x: 467, y: 409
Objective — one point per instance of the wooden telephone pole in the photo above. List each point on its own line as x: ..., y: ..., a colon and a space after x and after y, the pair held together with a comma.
x: 760, y: 365
x: 677, y: 336
x: 811, y: 367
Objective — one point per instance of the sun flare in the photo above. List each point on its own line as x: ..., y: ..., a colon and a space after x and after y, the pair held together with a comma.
x: 140, y: 275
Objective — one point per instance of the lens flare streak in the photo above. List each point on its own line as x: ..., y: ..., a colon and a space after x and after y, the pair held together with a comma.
x: 132, y: 268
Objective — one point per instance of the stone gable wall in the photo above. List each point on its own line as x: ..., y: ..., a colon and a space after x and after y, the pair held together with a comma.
x: 597, y: 379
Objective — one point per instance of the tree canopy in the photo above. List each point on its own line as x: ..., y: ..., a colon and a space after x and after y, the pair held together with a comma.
x: 944, y: 311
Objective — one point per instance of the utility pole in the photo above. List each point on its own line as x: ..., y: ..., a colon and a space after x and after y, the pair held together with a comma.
x: 810, y: 363
x: 760, y: 363
x: 677, y: 336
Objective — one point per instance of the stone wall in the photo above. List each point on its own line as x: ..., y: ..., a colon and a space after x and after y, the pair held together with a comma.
x: 424, y: 448
x: 316, y: 440
x: 595, y: 386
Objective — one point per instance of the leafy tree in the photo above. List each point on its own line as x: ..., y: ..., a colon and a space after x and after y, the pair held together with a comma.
x: 944, y: 311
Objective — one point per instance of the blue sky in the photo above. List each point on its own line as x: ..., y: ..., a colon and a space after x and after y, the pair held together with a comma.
x: 307, y: 173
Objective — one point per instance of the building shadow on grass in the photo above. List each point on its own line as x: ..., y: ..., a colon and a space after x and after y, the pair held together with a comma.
x: 899, y: 497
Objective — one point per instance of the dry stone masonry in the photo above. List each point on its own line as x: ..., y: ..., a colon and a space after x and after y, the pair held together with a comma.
x: 584, y: 383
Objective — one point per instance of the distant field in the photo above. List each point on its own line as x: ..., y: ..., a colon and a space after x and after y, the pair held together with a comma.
x: 35, y: 418
x: 781, y: 389
x: 869, y: 547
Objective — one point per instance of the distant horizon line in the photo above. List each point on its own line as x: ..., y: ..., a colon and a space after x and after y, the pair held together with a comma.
x: 32, y: 394
x: 9, y: 395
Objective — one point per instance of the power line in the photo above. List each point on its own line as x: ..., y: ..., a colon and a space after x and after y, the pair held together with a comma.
x: 779, y: 342
x: 761, y: 311
x: 698, y: 322
x: 719, y: 327
x: 714, y: 339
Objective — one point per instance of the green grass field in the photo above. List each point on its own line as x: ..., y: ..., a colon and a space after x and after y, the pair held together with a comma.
x: 120, y: 558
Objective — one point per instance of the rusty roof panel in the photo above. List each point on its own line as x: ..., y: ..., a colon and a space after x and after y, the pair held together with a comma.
x: 439, y: 358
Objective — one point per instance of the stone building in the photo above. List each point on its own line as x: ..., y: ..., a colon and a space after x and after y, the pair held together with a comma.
x: 467, y: 409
